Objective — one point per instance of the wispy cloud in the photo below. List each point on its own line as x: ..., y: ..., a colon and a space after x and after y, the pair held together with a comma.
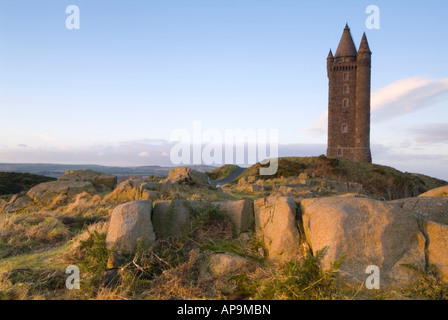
x: 397, y: 99
x: 143, y: 154
x: 406, y: 96
x: 430, y: 133
x: 125, y: 153
x: 47, y: 137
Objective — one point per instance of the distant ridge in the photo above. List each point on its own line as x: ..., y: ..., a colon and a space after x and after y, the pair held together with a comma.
x: 57, y: 170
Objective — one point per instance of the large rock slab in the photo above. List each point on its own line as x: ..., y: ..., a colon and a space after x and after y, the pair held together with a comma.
x: 365, y: 232
x: 62, y: 191
x: 16, y: 203
x: 275, y: 224
x: 101, y: 181
x: 437, y: 249
x: 129, y: 223
x: 183, y: 175
x: 222, y: 264
x: 241, y: 213
x: 441, y: 192
x: 433, y: 209
x: 133, y: 190
x: 171, y: 217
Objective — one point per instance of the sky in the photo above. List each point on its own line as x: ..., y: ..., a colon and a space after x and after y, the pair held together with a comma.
x: 115, y: 90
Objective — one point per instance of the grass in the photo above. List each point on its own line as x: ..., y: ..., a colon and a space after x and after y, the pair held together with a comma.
x: 37, y: 245
x: 380, y: 180
x: 294, y: 280
x: 50, y: 258
x: 39, y: 275
x: 171, y: 270
x: 21, y: 233
x: 91, y: 256
x: 429, y: 286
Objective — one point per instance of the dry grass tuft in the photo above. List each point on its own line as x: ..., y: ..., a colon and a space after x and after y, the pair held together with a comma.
x: 178, y: 282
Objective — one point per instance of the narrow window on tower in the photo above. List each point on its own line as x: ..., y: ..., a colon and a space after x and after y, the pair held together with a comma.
x: 345, y: 103
x: 345, y: 89
x: 346, y: 76
x: 344, y: 128
x: 339, y: 152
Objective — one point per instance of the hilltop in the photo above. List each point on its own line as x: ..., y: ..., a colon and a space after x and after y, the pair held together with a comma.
x: 307, y: 232
x: 377, y: 180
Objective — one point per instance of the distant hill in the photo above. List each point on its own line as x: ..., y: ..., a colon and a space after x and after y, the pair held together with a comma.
x: 379, y: 180
x: 57, y: 170
x: 222, y: 172
x: 15, y: 182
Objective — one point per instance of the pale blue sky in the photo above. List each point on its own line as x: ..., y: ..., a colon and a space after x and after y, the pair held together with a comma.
x: 137, y: 70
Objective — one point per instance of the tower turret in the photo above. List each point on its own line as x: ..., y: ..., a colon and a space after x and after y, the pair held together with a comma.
x: 346, y: 50
x: 330, y: 60
x: 363, y: 76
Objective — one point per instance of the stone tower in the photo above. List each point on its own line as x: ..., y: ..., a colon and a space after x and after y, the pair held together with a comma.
x: 349, y: 100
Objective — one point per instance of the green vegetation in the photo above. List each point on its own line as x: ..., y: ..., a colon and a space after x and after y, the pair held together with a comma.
x: 222, y: 172
x: 429, y: 286
x: 379, y: 180
x: 92, y: 257
x: 15, y: 182
x: 37, y: 243
x: 21, y: 233
x: 295, y: 280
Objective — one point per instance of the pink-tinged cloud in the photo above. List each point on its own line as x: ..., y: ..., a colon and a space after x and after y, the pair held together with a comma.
x: 406, y: 96
x: 47, y: 137
x: 397, y: 99
x: 431, y: 133
x: 143, y: 154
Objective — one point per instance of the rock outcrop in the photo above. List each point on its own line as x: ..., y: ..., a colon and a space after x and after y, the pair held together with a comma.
x: 101, y: 181
x: 441, y: 192
x: 129, y: 224
x: 432, y: 209
x: 437, y: 244
x: 16, y: 203
x: 241, y: 213
x: 133, y: 190
x: 222, y: 264
x: 171, y: 217
x: 365, y: 232
x: 183, y: 175
x: 59, y: 191
x: 275, y: 224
